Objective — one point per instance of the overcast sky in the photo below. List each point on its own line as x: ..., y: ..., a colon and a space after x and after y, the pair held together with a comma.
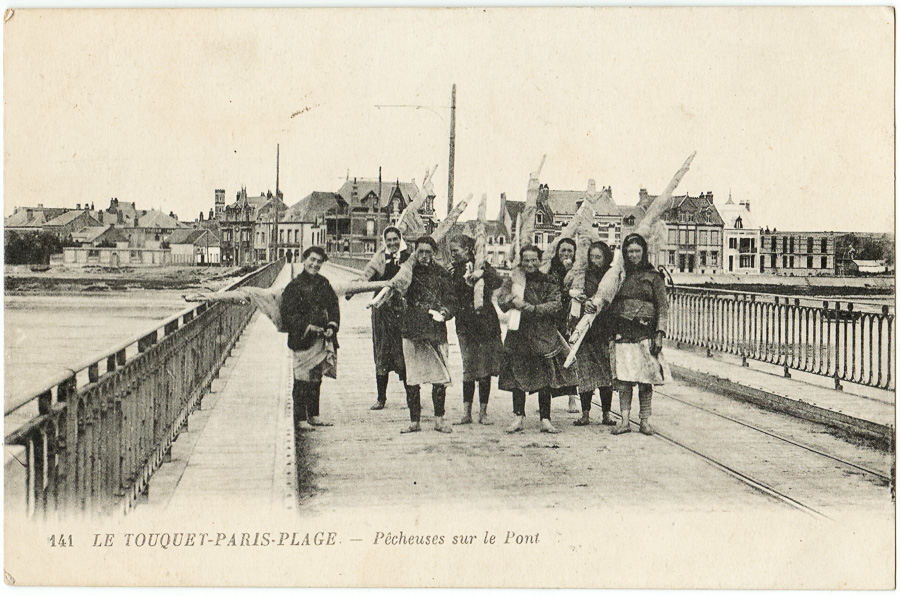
x: 791, y: 109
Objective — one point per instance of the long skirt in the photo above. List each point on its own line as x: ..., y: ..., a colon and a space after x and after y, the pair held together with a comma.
x: 386, y: 342
x: 480, y: 358
x: 319, y: 359
x: 532, y: 372
x: 593, y: 365
x: 426, y: 362
x: 634, y: 363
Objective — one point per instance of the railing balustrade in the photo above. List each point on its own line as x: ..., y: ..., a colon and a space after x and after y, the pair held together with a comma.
x: 848, y: 341
x: 98, y: 433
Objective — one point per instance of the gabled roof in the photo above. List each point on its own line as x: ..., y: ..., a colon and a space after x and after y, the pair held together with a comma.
x: 69, y: 217
x: 316, y: 204
x: 364, y: 186
x: 494, y: 228
x: 566, y: 202
x: 191, y: 236
x: 157, y: 219
x: 39, y: 216
x: 684, y: 204
x: 92, y: 233
x: 730, y: 212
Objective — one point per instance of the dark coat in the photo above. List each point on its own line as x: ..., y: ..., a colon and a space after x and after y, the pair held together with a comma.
x: 537, y: 332
x: 309, y: 300
x: 391, y: 267
x: 599, y: 330
x: 641, y: 307
x: 483, y: 324
x: 430, y: 290
x: 386, y: 343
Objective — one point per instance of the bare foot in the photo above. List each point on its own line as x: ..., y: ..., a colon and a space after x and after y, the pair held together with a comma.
x: 483, y: 419
x: 645, y: 428
x: 573, y: 405
x: 546, y: 427
x: 607, y: 420
x: 413, y: 428
x: 315, y: 421
x: 304, y: 426
x: 583, y: 421
x: 464, y: 420
x: 379, y: 405
x: 518, y: 425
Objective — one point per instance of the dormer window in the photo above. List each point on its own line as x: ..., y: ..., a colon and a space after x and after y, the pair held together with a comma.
x: 500, y: 240
x: 539, y: 217
x: 738, y: 224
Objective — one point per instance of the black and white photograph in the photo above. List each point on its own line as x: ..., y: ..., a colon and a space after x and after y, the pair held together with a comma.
x: 596, y: 297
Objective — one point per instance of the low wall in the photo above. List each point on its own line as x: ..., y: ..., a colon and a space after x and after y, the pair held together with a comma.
x: 358, y: 263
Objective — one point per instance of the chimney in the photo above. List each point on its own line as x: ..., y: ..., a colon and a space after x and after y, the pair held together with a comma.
x: 77, y: 206
x: 745, y: 205
x: 40, y: 206
x: 502, y: 206
x: 201, y: 216
x: 29, y: 213
x: 120, y: 218
x: 592, y: 186
x: 642, y: 194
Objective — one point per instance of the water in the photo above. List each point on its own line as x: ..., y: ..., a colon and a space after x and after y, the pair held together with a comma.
x: 46, y: 335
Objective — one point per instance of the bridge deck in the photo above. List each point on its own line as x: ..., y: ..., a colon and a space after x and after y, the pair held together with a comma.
x: 238, y: 449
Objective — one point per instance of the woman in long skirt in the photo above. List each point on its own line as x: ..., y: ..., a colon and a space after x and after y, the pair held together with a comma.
x: 478, y: 330
x: 429, y: 304
x: 311, y: 316
x: 639, y: 314
x: 534, y: 354
x: 594, y: 372
x: 386, y: 342
x: 560, y: 266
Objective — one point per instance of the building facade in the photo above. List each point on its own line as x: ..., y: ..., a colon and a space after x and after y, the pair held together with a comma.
x: 741, y: 238
x: 688, y: 239
x: 799, y: 253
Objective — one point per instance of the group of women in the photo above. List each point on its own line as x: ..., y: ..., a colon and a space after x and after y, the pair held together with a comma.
x: 620, y: 351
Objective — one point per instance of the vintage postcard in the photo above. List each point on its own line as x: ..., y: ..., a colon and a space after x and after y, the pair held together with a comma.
x: 450, y: 297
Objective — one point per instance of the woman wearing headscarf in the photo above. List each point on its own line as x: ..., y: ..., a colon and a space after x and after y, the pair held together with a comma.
x: 311, y: 317
x: 594, y: 372
x: 534, y: 354
x: 428, y: 305
x: 560, y: 266
x: 639, y: 314
x: 386, y: 341
x: 478, y: 330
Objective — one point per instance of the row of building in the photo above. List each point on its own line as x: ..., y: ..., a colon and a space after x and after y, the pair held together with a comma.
x: 696, y: 235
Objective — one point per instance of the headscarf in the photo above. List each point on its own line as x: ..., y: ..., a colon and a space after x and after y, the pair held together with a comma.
x: 388, y: 254
x: 556, y: 267
x: 645, y: 260
x: 607, y: 256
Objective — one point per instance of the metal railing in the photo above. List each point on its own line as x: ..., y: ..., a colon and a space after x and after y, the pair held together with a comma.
x: 848, y: 341
x: 100, y: 431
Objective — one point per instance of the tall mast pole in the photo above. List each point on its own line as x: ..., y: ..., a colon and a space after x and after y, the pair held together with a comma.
x: 452, y: 149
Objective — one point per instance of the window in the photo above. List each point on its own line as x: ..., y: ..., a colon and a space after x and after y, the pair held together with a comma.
x: 703, y: 258
x: 792, y: 244
x: 772, y: 264
x: 747, y: 261
x: 774, y: 246
x: 784, y: 244
x: 538, y: 238
x: 370, y: 227
x: 500, y: 240
x: 809, y: 245
x: 692, y: 236
x: 738, y: 223
x: 682, y: 236
x: 703, y: 237
x: 673, y: 236
x: 671, y: 257
x: 792, y: 262
x: 824, y: 261
x: 713, y: 259
x: 824, y: 245
x: 490, y: 239
x: 809, y: 262
x: 784, y: 261
x: 714, y: 237
x: 539, y: 217
x: 732, y: 243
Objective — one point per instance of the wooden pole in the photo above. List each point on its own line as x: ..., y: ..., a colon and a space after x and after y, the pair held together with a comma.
x: 450, y: 166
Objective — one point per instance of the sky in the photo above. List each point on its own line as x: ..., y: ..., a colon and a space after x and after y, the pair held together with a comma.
x: 789, y: 109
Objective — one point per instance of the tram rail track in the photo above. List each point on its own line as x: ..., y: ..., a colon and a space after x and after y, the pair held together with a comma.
x: 748, y: 479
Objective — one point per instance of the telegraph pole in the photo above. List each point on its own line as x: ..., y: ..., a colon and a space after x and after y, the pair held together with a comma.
x: 452, y: 149
x: 277, y: 160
